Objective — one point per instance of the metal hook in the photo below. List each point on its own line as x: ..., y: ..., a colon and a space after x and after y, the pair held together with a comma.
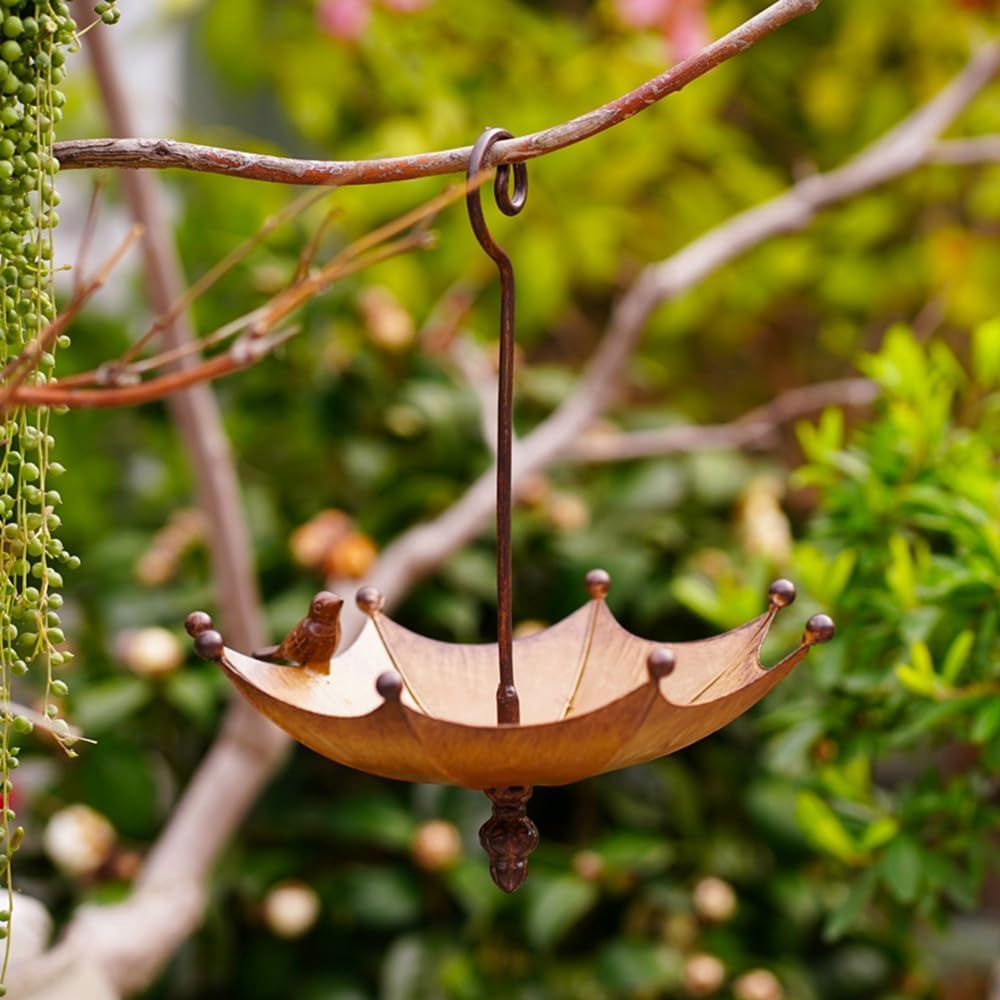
x: 508, y: 705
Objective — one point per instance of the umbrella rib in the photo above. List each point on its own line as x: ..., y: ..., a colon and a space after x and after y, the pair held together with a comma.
x: 399, y: 670
x: 764, y: 626
x: 584, y: 657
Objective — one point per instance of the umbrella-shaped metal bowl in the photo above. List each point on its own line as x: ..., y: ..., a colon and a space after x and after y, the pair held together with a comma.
x: 593, y: 698
x: 590, y: 696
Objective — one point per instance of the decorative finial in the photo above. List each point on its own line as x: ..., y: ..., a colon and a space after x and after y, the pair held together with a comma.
x: 781, y: 593
x: 819, y: 628
x: 389, y: 685
x: 509, y: 836
x: 370, y: 600
x: 598, y: 583
x: 660, y: 663
x: 314, y: 640
x: 208, y: 644
x: 196, y: 623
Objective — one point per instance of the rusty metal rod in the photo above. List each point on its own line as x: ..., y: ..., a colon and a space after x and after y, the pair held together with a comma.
x: 508, y: 705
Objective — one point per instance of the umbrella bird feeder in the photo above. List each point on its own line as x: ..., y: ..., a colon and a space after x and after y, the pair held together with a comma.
x: 579, y: 698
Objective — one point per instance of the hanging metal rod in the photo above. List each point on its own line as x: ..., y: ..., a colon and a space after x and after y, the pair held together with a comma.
x: 510, y: 203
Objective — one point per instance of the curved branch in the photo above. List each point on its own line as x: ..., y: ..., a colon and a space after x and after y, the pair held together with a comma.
x: 76, y: 154
x: 754, y: 428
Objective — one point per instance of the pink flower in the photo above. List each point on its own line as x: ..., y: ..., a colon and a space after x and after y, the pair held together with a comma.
x: 687, y: 28
x: 681, y: 22
x: 344, y: 19
x: 643, y: 13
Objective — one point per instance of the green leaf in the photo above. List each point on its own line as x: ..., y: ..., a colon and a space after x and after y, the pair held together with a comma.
x: 986, y: 352
x: 957, y: 655
x: 921, y: 657
x: 824, y: 829
x: 900, y: 573
x: 380, y: 897
x: 554, y: 906
x: 843, y: 918
x: 631, y: 967
x: 901, y: 868
x: 880, y: 831
x: 102, y: 706
x: 915, y: 681
x: 986, y: 724
x: 194, y: 693
x: 374, y: 819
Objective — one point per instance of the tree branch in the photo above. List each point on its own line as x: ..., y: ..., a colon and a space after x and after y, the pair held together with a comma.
x: 754, y: 428
x: 967, y: 152
x: 163, y: 153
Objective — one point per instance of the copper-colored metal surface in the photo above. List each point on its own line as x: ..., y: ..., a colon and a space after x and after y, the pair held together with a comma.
x: 437, y: 724
x: 509, y: 836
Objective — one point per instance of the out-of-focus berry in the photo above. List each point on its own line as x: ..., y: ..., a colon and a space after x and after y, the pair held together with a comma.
x: 703, y: 975
x: 150, y: 652
x: 758, y: 984
x: 291, y: 909
x: 714, y: 900
x: 78, y: 839
x: 437, y: 846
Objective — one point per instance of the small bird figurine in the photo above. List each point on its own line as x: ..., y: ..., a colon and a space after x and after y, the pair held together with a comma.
x: 314, y: 640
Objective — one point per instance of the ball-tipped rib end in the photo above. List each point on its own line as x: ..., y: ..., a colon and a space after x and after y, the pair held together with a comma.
x: 819, y: 628
x: 196, y: 623
x: 781, y: 593
x: 660, y: 663
x: 370, y: 600
x: 208, y: 644
x: 598, y: 583
x: 390, y: 685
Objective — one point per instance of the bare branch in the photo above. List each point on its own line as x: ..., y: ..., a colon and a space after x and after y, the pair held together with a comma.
x: 163, y: 153
x: 474, y: 366
x: 967, y: 152
x: 755, y: 428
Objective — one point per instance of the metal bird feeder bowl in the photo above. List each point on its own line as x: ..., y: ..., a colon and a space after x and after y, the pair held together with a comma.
x: 589, y: 696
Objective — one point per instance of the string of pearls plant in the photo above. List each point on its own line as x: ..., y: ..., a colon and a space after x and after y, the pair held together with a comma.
x: 35, y: 36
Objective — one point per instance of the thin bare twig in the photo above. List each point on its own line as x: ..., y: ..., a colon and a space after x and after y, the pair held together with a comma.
x: 220, y: 268
x: 162, y: 153
x: 16, y: 371
x: 756, y: 427
x: 89, y: 225
x: 474, y: 365
x: 250, y: 349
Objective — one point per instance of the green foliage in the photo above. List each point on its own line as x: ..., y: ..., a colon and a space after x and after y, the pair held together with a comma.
x: 913, y: 500
x: 36, y: 37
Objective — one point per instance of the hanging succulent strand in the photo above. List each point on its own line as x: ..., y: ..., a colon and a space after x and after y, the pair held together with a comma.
x: 34, y: 38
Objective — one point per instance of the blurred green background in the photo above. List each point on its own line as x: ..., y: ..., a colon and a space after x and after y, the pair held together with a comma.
x: 847, y: 827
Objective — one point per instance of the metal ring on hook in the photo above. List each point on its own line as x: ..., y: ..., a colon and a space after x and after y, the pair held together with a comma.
x: 508, y: 203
